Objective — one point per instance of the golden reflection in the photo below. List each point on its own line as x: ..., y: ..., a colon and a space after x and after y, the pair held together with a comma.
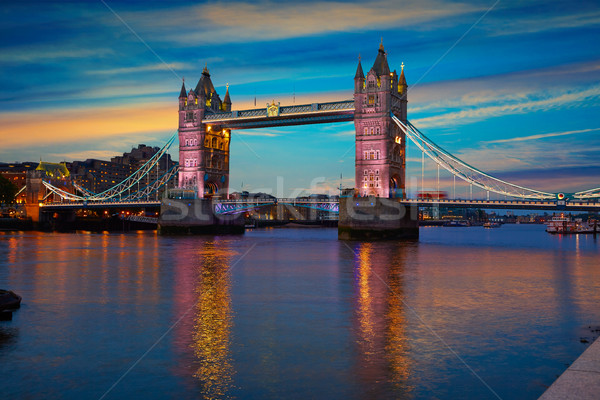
x: 396, y: 345
x: 213, y: 321
x: 13, y: 248
x: 381, y: 332
x: 365, y: 313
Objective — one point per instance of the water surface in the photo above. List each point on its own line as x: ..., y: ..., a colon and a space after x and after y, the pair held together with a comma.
x: 295, y: 313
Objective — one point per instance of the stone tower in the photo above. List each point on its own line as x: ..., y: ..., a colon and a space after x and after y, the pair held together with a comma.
x: 203, y: 149
x: 380, y: 143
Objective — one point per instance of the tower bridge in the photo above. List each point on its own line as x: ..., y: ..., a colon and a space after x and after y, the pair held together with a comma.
x: 205, y: 123
x: 379, y: 112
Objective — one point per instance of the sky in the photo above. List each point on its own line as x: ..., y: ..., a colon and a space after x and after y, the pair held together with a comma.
x: 512, y: 88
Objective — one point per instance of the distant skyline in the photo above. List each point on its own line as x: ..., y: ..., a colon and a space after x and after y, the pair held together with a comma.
x: 513, y: 88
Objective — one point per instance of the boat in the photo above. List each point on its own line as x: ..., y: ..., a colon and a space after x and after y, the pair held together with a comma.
x: 491, y: 225
x: 561, y: 224
x: 9, y: 300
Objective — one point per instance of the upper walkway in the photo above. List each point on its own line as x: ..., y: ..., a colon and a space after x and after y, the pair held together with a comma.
x: 275, y: 115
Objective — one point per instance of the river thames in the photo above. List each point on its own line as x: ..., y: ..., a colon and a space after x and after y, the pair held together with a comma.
x: 295, y: 313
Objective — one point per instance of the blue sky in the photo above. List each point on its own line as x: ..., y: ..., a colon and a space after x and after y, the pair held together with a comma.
x: 513, y: 88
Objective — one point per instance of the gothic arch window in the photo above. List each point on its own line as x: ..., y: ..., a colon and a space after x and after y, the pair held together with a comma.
x: 214, y: 143
x: 195, y: 142
x: 366, y: 130
x: 371, y: 131
x: 220, y: 145
x: 187, y: 162
x: 377, y: 131
x: 377, y: 156
x: 206, y: 143
x: 187, y: 142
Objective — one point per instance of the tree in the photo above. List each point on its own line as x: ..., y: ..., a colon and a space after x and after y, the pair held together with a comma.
x: 8, y: 190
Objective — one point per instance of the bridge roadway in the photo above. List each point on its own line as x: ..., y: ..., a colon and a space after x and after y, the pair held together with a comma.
x: 229, y: 206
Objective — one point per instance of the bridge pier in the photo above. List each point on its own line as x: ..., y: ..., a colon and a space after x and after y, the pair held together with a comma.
x: 372, y: 218
x: 196, y: 216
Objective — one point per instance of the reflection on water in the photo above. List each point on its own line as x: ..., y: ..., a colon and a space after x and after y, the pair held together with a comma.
x: 213, y: 320
x: 381, y: 332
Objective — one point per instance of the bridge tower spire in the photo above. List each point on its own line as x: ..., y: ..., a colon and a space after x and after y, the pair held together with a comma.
x: 380, y: 144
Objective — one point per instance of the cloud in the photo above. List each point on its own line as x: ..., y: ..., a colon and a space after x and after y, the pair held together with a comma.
x: 81, y: 125
x: 36, y: 54
x: 268, y: 20
x: 531, y: 155
x: 542, y: 22
x: 540, y: 102
x: 255, y: 132
x: 544, y: 135
x: 141, y: 68
x: 511, y: 86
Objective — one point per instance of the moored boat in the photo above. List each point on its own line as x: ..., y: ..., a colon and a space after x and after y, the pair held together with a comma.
x: 561, y: 224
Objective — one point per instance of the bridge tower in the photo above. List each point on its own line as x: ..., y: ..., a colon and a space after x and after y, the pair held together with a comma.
x: 203, y: 149
x: 380, y: 143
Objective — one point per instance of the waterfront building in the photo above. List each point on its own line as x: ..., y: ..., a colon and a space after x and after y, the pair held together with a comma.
x: 16, y: 173
x: 100, y: 175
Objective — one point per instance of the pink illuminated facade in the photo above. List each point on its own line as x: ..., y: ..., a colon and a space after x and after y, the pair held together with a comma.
x: 203, y: 151
x: 380, y: 144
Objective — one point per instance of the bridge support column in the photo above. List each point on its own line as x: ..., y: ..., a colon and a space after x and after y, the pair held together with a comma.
x: 196, y: 216
x: 371, y: 218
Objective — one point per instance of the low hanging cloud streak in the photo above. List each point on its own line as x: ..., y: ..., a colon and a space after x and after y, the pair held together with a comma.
x: 544, y: 136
